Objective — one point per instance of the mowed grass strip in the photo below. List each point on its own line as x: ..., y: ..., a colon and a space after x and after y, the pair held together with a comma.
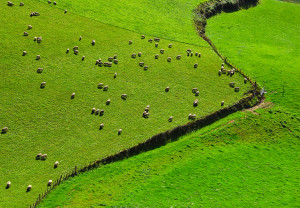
x: 243, y: 160
x: 48, y: 121
x: 264, y: 41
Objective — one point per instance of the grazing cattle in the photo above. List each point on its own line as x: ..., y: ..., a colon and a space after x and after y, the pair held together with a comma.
x: 222, y: 103
x: 170, y: 45
x: 38, y: 156
x: 130, y: 42
x: 49, y: 183
x: 49, y: 2
x: 105, y: 88
x: 82, y: 58
x: 245, y: 80
x: 21, y: 4
x: 236, y: 89
x: 139, y: 54
x: 38, y: 57
x: 115, y: 75
x: 195, y: 66
x: 44, y: 157
x: 97, y: 111
x: 162, y: 51
x: 156, y: 56
x: 146, y: 67
x: 66, y: 11
x: 56, y: 164
x: 170, y: 119
x: 100, y: 85
x: 199, y: 55
x: 197, y: 93
x: 167, y: 89
x: 108, y: 102
x: 143, y: 37
x: 93, y: 42
x: 73, y: 95
x: 150, y: 40
x: 110, y: 58
x: 24, y: 53
x: 196, y: 54
x: 102, y: 111
x: 220, y: 72
x: 10, y: 3
x: 178, y: 57
x: 29, y: 187
x: 169, y: 59
x: 188, y: 50
x: 156, y: 39
x: 29, y: 27
x: 156, y: 45
x: 39, y: 39
x: 25, y: 33
x: 43, y: 85
x: 67, y: 50
x: 146, y: 114
x: 120, y: 132
x: 133, y: 55
x: 195, y: 103
x: 54, y: 3
x: 8, y: 184
x: 93, y: 110
x: 76, y: 52
x: 101, y: 126
x: 115, y: 56
x: 141, y: 64
x: 231, y: 84
x: 194, y: 90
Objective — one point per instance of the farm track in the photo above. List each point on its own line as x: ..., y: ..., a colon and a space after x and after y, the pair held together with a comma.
x: 98, y: 163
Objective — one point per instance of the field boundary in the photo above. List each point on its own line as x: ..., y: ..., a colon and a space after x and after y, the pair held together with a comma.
x: 251, y: 99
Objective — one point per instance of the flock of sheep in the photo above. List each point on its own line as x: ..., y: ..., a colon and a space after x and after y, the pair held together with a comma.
x: 113, y: 60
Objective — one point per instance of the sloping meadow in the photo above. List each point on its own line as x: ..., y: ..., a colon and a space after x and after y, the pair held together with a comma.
x: 46, y: 120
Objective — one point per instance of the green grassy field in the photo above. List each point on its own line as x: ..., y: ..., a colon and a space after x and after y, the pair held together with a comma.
x: 264, y: 41
x: 245, y: 160
x: 49, y: 121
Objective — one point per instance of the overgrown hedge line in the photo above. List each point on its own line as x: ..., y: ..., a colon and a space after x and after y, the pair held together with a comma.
x: 203, y: 11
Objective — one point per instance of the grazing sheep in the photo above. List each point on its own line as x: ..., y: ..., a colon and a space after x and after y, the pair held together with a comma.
x: 76, y: 52
x: 83, y: 57
x: 49, y: 2
x: 38, y: 156
x: 29, y: 27
x: 115, y: 75
x: 39, y: 70
x: 236, y: 89
x: 66, y: 11
x: 105, y: 63
x: 222, y: 68
x: 194, y: 90
x: 139, y: 54
x: 222, y: 103
x: 54, y: 3
x: 150, y: 40
x: 199, y: 55
x: 43, y: 85
x: 49, y: 183
x: 167, y: 89
x: 146, y: 114
x: 97, y: 111
x: 193, y: 117
x: 8, y: 184
x: 116, y: 61
x: 143, y: 37
x: 29, y: 187
x: 67, y: 50
x: 21, y: 4
x: 220, y: 72
x: 44, y: 157
x: 39, y: 39
x: 156, y: 45
x: 231, y: 84
x: 141, y: 64
x: 38, y: 57
x: 170, y: 45
x: 195, y: 103
x: 245, y: 80
x: 178, y: 57
x: 93, y: 42
x: 169, y: 59
x: 196, y: 54
x: 100, y: 85
x: 124, y: 96
x: 105, y: 88
x: 197, y: 93
x: 97, y: 62
x: 130, y: 42
x: 102, y: 112
x: 73, y: 95
x: 162, y: 51
x: 80, y: 38
x: 156, y: 56
x: 110, y: 58
x: 108, y: 102
x: 10, y: 3
x: 109, y: 64
x: 195, y: 65
x: 93, y: 110
x: 133, y: 55
x: 34, y: 39
x: 100, y: 63
x: 191, y: 54
x: 170, y: 118
x: 146, y: 67
x: 56, y: 164
x: 156, y: 39
x: 24, y: 53
x: 223, y: 64
x: 120, y: 132
x: 188, y: 50
x: 101, y: 126
x: 25, y: 33
x: 115, y: 56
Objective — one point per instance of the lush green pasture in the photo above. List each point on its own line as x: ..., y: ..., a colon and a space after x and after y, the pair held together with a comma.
x: 49, y: 121
x: 264, y: 41
x: 170, y: 19
x: 244, y: 160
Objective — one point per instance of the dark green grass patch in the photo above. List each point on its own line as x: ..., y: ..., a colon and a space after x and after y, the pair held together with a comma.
x: 244, y: 160
x: 49, y: 121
